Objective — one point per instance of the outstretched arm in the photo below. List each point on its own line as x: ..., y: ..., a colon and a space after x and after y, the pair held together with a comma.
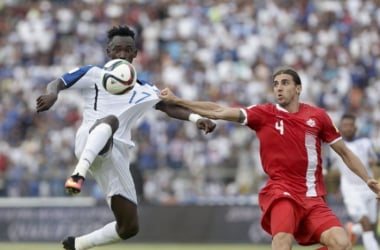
x: 207, y: 109
x: 356, y: 166
x: 46, y: 101
x: 173, y: 110
x: 181, y: 113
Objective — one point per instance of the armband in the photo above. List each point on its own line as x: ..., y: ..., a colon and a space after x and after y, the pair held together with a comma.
x: 194, y: 117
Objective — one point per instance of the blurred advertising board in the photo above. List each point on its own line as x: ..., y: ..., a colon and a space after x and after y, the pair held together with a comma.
x: 176, y: 223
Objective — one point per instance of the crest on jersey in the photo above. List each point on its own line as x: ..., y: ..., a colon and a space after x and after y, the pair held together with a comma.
x: 310, y: 122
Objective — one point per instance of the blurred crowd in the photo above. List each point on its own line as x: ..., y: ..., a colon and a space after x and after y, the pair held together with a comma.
x: 218, y: 50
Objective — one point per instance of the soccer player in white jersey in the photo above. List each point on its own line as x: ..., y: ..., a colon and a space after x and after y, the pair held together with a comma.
x: 360, y: 202
x: 104, y: 138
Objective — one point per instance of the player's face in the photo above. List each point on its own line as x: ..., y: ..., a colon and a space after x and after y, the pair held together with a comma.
x: 122, y: 47
x: 347, y: 128
x: 286, y: 91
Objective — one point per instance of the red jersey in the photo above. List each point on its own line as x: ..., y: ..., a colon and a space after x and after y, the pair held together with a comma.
x: 290, y: 146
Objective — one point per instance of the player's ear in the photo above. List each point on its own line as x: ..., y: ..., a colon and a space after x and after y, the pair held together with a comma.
x: 299, y: 89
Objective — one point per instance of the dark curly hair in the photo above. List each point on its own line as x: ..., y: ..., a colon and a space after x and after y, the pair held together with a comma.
x: 120, y: 31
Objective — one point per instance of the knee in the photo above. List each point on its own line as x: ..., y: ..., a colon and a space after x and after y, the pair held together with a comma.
x: 337, y: 239
x: 282, y: 241
x: 128, y: 230
x: 113, y: 121
x: 340, y: 244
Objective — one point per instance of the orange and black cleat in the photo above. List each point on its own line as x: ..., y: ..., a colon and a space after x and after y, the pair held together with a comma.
x: 73, y: 184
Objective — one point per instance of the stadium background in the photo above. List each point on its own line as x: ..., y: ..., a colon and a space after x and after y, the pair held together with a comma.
x: 209, y: 50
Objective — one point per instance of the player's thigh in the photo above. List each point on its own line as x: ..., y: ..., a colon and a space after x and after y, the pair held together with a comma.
x: 125, y: 211
x: 319, y: 219
x: 113, y: 174
x: 111, y: 120
x: 285, y: 216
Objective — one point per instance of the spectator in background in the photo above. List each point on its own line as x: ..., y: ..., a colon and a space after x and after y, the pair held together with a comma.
x: 361, y: 203
x: 4, y: 164
x: 291, y: 135
x: 332, y: 44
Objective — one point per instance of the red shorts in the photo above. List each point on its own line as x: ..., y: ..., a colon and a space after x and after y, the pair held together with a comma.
x: 305, y: 219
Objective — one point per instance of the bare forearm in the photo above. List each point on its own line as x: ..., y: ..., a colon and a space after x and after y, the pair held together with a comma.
x: 55, y: 86
x: 211, y: 110
x: 173, y: 110
x: 356, y: 166
x: 46, y: 101
x: 206, y: 109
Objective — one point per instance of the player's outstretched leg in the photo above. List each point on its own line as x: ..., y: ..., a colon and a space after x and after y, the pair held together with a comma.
x: 103, y: 236
x: 99, y: 139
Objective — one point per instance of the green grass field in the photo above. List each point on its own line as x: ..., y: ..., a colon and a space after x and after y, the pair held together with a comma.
x: 126, y: 246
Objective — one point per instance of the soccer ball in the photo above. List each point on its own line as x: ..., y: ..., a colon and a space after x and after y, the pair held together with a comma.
x: 118, y: 76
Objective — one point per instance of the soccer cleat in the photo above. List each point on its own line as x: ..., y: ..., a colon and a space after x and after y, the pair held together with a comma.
x: 73, y: 184
x: 353, y: 237
x: 69, y: 243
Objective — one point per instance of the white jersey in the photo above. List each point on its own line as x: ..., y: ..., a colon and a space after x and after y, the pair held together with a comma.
x: 128, y: 107
x: 358, y: 198
x: 111, y: 170
x: 363, y: 148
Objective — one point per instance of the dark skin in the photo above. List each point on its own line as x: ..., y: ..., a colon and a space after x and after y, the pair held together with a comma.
x: 124, y: 210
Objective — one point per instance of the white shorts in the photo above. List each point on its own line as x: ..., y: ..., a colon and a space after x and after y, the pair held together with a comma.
x: 111, y: 171
x: 360, y: 202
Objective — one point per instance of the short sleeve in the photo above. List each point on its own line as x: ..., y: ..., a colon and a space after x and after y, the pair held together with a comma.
x: 330, y: 133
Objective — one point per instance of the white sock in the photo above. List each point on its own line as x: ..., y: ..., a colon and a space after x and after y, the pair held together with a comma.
x: 103, y: 236
x: 357, y: 229
x: 369, y: 241
x: 96, y: 141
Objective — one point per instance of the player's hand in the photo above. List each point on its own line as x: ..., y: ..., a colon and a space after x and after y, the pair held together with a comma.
x: 206, y: 125
x: 374, y: 186
x: 44, y: 102
x: 167, y: 95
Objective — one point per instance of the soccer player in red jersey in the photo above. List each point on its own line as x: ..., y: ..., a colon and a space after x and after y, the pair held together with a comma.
x: 291, y: 134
